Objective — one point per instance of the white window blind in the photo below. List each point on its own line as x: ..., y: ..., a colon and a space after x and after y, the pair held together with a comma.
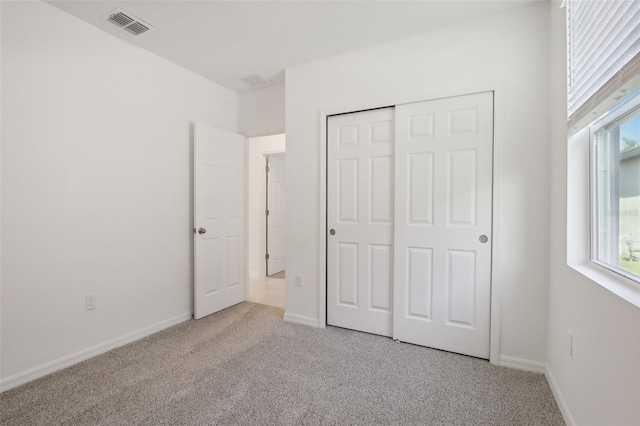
x: 603, y: 36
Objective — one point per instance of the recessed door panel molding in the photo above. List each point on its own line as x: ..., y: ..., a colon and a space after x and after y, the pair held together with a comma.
x: 218, y: 219
x: 348, y: 274
x: 382, y: 132
x: 463, y: 121
x: 461, y: 287
x: 233, y: 202
x: 360, y: 218
x: 347, y: 135
x: 348, y: 178
x: 421, y: 126
x: 381, y: 189
x: 420, y: 282
x: 212, y: 247
x: 420, y: 192
x: 462, y: 187
x: 232, y: 261
x: 212, y: 206
x: 381, y: 277
x: 452, y: 153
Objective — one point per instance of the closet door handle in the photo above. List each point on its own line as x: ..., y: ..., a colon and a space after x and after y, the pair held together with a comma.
x: 332, y: 232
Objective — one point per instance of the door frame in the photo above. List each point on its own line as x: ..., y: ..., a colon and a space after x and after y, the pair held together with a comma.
x: 496, y: 202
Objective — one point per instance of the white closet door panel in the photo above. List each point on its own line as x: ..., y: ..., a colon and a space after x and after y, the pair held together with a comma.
x: 443, y: 195
x: 360, y: 211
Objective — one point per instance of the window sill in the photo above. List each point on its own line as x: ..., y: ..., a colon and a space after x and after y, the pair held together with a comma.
x: 619, y: 285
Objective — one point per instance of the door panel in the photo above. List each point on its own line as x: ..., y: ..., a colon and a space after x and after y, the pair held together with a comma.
x: 360, y: 211
x: 219, y: 210
x: 443, y: 193
x: 420, y: 197
x: 420, y: 283
x: 381, y: 277
x: 348, y: 274
x: 276, y: 220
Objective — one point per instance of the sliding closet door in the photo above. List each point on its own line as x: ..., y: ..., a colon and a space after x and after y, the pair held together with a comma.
x: 442, y: 250
x: 360, y: 221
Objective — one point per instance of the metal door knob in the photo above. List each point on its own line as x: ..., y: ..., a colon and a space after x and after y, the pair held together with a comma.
x: 483, y: 239
x: 332, y: 232
x: 202, y: 231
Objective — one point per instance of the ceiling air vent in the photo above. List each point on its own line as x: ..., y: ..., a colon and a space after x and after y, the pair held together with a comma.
x: 128, y: 22
x: 255, y: 80
x: 137, y: 28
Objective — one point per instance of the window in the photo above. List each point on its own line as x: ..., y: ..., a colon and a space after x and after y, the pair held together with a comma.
x: 603, y: 157
x: 615, y: 190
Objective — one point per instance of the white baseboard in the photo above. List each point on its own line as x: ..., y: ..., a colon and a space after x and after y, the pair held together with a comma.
x: 539, y: 367
x: 301, y: 319
x: 564, y: 408
x: 523, y: 364
x: 69, y: 360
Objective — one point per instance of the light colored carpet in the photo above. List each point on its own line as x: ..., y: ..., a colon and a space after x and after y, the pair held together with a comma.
x: 246, y: 366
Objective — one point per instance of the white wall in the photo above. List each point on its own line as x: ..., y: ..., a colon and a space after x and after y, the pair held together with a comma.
x: 600, y: 383
x: 262, y: 111
x: 508, y: 53
x: 258, y: 149
x: 96, y: 186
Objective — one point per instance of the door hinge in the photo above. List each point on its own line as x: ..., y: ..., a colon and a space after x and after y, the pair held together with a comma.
x: 266, y: 256
x: 266, y: 212
x: 266, y: 169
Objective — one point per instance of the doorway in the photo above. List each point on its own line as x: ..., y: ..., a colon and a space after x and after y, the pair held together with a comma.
x: 262, y: 288
x: 409, y: 215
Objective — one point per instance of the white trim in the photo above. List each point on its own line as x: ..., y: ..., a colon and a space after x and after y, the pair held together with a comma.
x: 523, y: 364
x: 322, y: 230
x: 247, y: 272
x: 75, y: 358
x: 562, y: 404
x: 498, y: 149
x: 301, y: 319
x: 619, y: 285
x: 541, y: 368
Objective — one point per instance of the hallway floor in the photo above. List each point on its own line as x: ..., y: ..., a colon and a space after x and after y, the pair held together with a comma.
x: 267, y: 290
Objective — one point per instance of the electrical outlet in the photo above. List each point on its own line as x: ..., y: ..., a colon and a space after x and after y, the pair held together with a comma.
x: 90, y: 302
x: 298, y: 280
x: 570, y: 343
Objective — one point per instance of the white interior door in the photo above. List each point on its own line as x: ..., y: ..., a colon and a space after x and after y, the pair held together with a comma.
x: 276, y: 217
x: 443, y: 196
x: 360, y: 217
x: 219, y: 270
